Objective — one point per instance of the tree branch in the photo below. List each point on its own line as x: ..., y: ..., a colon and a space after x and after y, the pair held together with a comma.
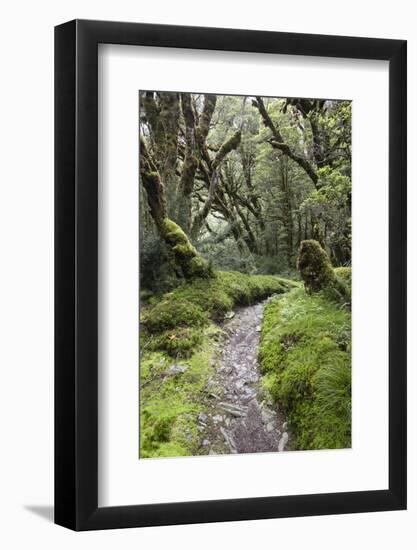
x: 228, y: 146
x: 277, y: 142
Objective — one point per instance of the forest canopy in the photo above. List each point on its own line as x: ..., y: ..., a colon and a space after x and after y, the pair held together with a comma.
x: 238, y: 182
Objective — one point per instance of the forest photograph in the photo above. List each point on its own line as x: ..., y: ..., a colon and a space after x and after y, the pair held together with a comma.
x: 245, y: 274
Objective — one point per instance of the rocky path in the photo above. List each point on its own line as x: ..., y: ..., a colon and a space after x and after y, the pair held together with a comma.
x: 239, y: 420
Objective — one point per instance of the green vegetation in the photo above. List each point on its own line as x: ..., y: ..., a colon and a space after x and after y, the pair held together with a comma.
x: 178, y: 333
x: 318, y: 274
x: 170, y: 401
x: 345, y: 273
x: 305, y: 355
x: 184, y: 254
x: 194, y: 303
x: 242, y: 198
x: 237, y: 183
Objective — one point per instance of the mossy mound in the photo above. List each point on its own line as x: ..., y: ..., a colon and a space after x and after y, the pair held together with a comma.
x: 170, y: 314
x: 305, y: 355
x: 195, y: 302
x: 317, y: 273
x: 230, y: 288
x: 179, y: 342
x: 173, y: 323
x: 314, y: 266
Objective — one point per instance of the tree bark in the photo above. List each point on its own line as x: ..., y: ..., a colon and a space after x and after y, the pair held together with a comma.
x: 184, y: 256
x: 189, y: 167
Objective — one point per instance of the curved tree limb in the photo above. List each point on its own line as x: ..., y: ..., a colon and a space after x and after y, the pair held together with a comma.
x: 184, y: 255
x: 277, y: 142
x: 195, y: 146
x: 229, y: 145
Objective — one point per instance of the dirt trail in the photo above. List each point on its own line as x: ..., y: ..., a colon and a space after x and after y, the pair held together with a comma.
x: 238, y: 419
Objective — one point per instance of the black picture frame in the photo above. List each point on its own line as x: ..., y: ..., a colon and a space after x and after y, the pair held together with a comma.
x: 76, y: 272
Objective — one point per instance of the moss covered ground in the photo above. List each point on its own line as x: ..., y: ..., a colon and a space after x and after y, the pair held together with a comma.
x: 171, y: 398
x: 305, y: 357
x: 178, y: 336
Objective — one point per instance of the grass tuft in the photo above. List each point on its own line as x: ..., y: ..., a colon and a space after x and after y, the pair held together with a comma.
x: 305, y: 354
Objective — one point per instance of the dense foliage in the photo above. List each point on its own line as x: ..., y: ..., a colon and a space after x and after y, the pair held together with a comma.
x: 237, y: 183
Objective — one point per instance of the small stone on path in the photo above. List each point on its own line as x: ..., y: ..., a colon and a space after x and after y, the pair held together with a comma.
x: 283, y: 441
x: 177, y: 369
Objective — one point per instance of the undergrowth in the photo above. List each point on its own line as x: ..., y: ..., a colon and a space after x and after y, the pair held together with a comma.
x: 177, y: 336
x: 174, y: 322
x: 170, y: 402
x: 305, y: 355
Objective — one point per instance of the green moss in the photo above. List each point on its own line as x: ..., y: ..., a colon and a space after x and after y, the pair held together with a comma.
x: 174, y: 323
x: 178, y: 327
x: 180, y: 342
x: 344, y: 273
x: 170, y: 403
x: 198, y: 267
x: 170, y: 314
x: 184, y: 250
x: 185, y: 255
x: 173, y: 233
x: 165, y: 450
x: 314, y: 266
x: 318, y: 275
x: 305, y: 355
x: 208, y: 294
x: 192, y: 303
x: 229, y: 145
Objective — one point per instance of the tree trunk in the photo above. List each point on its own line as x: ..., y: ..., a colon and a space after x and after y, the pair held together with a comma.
x: 182, y: 252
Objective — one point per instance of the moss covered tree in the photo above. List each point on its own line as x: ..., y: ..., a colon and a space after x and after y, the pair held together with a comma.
x: 170, y: 154
x: 317, y: 272
x: 184, y: 255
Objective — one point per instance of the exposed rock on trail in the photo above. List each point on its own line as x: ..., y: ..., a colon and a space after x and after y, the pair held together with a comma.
x: 238, y: 420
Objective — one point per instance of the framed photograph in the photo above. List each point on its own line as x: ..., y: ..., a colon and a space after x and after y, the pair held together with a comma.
x: 230, y: 253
